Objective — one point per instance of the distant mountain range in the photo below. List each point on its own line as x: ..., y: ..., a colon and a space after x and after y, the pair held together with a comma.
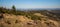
x: 38, y: 9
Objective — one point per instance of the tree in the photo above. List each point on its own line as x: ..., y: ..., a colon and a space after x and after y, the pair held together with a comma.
x: 13, y: 8
x: 1, y: 12
x: 1, y: 9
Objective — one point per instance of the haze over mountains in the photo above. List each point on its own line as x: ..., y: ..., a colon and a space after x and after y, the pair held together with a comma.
x: 26, y: 18
x: 29, y: 13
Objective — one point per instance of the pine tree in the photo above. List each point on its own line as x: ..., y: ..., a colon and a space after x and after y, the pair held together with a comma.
x: 13, y: 8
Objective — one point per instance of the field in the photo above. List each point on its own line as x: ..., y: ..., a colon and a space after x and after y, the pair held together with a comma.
x: 33, y: 18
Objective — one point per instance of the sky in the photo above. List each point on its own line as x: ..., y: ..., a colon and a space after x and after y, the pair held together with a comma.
x: 30, y: 3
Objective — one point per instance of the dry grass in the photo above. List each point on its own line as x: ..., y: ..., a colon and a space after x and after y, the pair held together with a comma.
x: 11, y: 20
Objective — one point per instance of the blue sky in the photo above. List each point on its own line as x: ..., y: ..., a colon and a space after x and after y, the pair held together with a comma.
x: 31, y: 3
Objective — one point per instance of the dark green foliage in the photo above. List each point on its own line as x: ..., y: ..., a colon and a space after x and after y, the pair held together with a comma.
x: 28, y: 14
x: 13, y: 8
x: 35, y: 18
x: 1, y: 10
x: 1, y: 16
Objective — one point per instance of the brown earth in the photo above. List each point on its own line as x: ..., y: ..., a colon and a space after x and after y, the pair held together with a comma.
x: 11, y: 20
